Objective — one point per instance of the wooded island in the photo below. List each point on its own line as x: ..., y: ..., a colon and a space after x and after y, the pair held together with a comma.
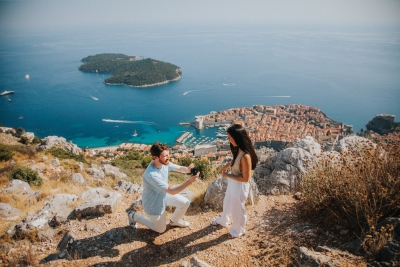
x: 131, y: 70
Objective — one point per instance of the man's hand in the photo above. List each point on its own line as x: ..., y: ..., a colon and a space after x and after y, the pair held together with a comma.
x: 190, y: 167
x: 194, y: 178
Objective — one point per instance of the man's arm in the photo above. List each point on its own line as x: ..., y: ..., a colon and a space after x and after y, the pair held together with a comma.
x: 175, y: 190
x: 184, y: 169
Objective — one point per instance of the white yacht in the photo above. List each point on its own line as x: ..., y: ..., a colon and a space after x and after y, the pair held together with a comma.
x: 7, y: 92
x: 135, y: 133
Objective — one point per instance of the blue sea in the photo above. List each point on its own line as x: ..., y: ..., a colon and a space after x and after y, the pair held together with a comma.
x: 350, y: 73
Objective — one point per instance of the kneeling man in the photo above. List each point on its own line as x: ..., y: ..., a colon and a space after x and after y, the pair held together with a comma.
x: 157, y: 194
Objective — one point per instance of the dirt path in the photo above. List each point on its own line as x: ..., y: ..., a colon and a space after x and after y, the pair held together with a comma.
x: 109, y: 241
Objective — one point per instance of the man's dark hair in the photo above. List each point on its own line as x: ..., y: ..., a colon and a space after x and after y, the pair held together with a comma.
x: 157, y: 148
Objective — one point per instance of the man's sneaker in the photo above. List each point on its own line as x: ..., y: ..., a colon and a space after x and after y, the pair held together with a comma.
x: 132, y: 222
x: 180, y: 223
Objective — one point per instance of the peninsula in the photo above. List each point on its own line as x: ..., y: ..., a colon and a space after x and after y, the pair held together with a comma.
x: 131, y: 70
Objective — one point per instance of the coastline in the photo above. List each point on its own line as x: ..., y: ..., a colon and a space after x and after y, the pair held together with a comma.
x: 146, y: 85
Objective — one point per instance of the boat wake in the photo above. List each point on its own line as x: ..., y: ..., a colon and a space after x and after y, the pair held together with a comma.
x: 228, y: 84
x: 185, y: 93
x: 125, y: 121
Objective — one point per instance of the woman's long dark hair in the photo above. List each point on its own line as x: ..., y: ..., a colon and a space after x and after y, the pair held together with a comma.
x: 242, y: 139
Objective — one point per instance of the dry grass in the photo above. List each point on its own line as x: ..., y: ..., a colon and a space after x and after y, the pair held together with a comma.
x: 356, y: 189
x: 24, y: 258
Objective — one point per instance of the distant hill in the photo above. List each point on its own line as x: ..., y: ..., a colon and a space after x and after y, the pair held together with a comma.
x: 131, y: 70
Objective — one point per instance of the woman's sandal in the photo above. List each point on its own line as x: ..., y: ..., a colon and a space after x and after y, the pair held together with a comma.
x: 231, y: 236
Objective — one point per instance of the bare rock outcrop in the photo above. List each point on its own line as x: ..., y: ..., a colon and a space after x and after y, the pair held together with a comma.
x: 281, y: 174
x: 354, y: 143
x: 113, y: 171
x: 55, y: 141
x: 41, y: 220
x: 9, y: 213
x: 383, y: 124
x: 97, y: 202
x: 128, y: 187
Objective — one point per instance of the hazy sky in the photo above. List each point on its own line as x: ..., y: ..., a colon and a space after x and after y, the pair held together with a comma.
x: 36, y: 15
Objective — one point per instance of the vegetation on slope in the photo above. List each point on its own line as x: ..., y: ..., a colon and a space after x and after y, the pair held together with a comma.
x: 127, y: 70
x: 356, y: 189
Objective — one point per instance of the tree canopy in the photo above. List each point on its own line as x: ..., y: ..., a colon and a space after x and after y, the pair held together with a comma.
x: 131, y: 70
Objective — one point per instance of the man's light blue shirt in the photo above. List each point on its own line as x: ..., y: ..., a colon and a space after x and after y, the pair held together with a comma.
x: 155, y: 181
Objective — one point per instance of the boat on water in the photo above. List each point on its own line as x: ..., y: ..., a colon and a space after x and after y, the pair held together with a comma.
x: 221, y: 135
x: 21, y: 118
x: 27, y: 76
x: 7, y: 92
x: 9, y: 100
x: 95, y: 98
x: 135, y: 133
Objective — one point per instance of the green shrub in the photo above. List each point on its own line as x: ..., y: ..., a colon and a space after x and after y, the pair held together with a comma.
x: 62, y: 154
x: 146, y: 161
x: 355, y: 189
x: 5, y: 152
x: 36, y: 140
x: 204, y: 168
x: 24, y: 140
x: 27, y: 175
x: 19, y: 132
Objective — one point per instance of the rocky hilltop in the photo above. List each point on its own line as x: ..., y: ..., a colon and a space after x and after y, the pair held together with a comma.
x: 78, y: 217
x: 383, y: 124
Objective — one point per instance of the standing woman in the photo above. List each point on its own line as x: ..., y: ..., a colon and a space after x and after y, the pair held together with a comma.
x: 243, y: 163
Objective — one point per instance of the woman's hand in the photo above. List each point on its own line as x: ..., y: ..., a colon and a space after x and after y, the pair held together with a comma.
x: 225, y: 168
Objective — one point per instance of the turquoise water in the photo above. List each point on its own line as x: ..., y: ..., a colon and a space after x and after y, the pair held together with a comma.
x: 351, y: 74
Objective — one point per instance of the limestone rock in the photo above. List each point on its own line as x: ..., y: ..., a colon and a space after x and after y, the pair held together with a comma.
x: 55, y: 141
x: 215, y: 192
x: 18, y: 187
x: 112, y: 170
x: 128, y: 187
x: 383, y: 124
x: 95, y: 172
x: 95, y: 207
x: 97, y: 202
x: 93, y: 193
x: 9, y: 213
x: 308, y: 144
x: 354, y: 143
x: 78, y: 178
x: 55, y: 162
x: 41, y: 220
x: 308, y: 258
x: 281, y: 173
